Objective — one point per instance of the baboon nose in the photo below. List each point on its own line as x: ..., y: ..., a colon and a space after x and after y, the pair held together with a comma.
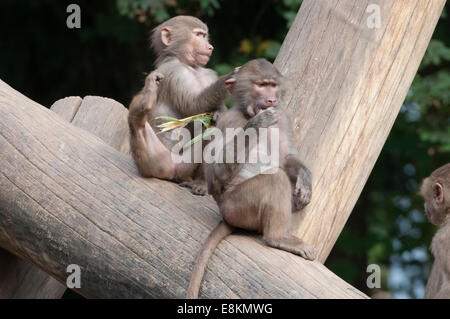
x: 210, y: 47
x: 271, y: 101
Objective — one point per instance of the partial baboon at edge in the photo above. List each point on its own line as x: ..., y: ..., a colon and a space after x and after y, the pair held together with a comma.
x: 435, y: 190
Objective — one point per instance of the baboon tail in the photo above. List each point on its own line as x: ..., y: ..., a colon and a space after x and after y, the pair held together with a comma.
x: 221, y: 231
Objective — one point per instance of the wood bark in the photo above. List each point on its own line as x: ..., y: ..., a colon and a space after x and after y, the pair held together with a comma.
x: 350, y: 77
x: 103, y: 117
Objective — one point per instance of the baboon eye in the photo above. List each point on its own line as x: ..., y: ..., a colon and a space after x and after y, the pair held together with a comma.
x: 267, y: 84
x: 200, y: 34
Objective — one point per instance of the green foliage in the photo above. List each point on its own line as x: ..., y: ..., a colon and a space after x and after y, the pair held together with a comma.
x: 257, y: 48
x: 290, y: 10
x: 160, y: 10
x: 157, y: 8
x: 429, y: 98
x: 209, y: 6
x: 436, y: 53
x: 223, y: 68
x: 346, y: 269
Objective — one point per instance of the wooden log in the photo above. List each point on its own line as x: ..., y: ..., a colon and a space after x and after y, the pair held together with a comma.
x: 350, y: 81
x: 103, y: 117
x: 66, y: 198
x: 67, y: 107
x: 20, y: 279
x: 106, y: 119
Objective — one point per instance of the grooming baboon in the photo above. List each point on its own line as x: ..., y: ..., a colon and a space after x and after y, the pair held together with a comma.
x: 179, y: 87
x: 435, y: 190
x: 254, y: 196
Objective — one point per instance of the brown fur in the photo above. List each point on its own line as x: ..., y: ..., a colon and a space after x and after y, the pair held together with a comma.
x: 176, y: 89
x: 262, y: 202
x: 435, y: 190
x: 180, y: 27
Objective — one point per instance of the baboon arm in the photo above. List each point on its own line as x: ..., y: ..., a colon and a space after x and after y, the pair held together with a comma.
x: 440, y: 249
x: 434, y: 281
x: 438, y: 285
x: 140, y: 106
x: 224, y: 172
x: 188, y: 100
x: 294, y: 168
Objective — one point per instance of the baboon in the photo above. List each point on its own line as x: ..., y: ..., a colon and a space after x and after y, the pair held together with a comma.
x: 435, y: 190
x: 179, y: 87
x: 256, y: 196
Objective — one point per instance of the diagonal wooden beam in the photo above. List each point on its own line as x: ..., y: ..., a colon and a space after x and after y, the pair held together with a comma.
x: 350, y: 78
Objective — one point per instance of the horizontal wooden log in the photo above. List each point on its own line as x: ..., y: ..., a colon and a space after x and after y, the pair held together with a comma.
x: 67, y: 198
x: 20, y: 279
x: 103, y: 117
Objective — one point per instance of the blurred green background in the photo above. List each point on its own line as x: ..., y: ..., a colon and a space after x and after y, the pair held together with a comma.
x: 110, y: 55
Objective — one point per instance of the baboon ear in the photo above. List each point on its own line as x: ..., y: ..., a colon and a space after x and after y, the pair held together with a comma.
x: 166, y: 36
x: 438, y: 194
x: 230, y: 84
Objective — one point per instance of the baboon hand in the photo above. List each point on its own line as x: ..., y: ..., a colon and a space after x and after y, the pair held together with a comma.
x: 263, y: 119
x: 301, y: 194
x: 150, y: 90
x: 153, y: 80
x: 197, y: 187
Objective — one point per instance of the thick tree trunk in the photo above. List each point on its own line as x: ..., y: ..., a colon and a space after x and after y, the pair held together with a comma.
x: 103, y: 117
x: 350, y: 77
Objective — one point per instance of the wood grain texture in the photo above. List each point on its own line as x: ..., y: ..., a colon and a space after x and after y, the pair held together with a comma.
x: 348, y: 84
x: 67, y: 107
x: 20, y: 279
x: 66, y: 197
x: 106, y: 118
